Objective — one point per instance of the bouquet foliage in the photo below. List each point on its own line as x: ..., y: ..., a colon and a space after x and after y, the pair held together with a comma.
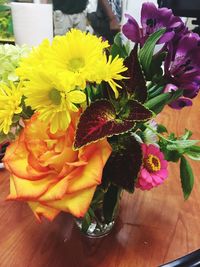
x: 83, y: 115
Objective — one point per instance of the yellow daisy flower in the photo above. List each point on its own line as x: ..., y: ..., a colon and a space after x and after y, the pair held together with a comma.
x: 52, y: 99
x: 34, y: 60
x: 110, y: 72
x: 76, y: 54
x: 10, y: 100
x: 79, y: 57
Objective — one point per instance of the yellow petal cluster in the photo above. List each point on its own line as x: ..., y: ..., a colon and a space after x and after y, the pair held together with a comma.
x: 10, y: 100
x: 57, y: 74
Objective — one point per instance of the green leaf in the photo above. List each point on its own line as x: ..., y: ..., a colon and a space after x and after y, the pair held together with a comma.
x: 156, y: 92
x: 195, y: 149
x: 181, y: 144
x: 155, y: 70
x: 193, y: 153
x: 4, y: 8
x: 110, y: 201
x: 186, y: 135
x: 118, y: 48
x: 86, y: 222
x: 187, y: 177
x: 157, y: 103
x: 161, y: 129
x: 173, y: 156
x: 146, y: 52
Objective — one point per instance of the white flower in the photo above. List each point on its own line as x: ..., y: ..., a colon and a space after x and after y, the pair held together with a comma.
x: 149, y: 136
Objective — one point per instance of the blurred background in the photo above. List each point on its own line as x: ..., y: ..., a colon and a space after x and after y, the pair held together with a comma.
x: 132, y: 7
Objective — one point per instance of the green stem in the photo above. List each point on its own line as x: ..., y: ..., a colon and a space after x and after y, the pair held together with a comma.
x: 24, y: 115
x: 87, y: 97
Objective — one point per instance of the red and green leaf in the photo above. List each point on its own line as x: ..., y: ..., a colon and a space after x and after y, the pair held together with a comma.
x: 101, y: 120
x: 135, y: 111
x: 98, y: 121
x: 136, y: 85
x: 124, y: 164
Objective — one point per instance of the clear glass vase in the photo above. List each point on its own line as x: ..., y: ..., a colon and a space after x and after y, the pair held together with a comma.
x: 102, y: 213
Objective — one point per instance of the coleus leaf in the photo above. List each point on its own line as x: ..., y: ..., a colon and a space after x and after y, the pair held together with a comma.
x: 136, y: 84
x: 101, y: 120
x: 135, y: 111
x: 124, y: 164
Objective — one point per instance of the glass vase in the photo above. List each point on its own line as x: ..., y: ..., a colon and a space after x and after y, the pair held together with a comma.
x: 102, y: 213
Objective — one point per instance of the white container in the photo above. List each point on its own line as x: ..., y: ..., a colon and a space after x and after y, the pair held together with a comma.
x: 32, y: 23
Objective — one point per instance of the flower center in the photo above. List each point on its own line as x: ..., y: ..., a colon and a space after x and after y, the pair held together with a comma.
x: 152, y: 163
x: 55, y: 96
x: 151, y: 22
x: 75, y: 64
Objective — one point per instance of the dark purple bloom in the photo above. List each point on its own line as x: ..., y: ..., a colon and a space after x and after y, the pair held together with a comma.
x: 182, y: 65
x: 181, y: 103
x: 152, y: 19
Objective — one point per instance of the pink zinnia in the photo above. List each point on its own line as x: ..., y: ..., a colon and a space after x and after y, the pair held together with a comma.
x: 154, y: 168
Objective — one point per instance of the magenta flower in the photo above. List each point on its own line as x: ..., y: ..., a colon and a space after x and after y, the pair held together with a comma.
x: 152, y: 19
x: 182, y: 68
x: 154, y: 168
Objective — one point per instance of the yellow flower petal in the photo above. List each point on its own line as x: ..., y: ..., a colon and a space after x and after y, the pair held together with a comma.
x: 76, y: 204
x: 41, y: 210
x: 77, y: 97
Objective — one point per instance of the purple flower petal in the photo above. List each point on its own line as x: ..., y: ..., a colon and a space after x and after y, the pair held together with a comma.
x: 188, y: 41
x: 181, y: 103
x: 131, y: 29
x: 182, y: 67
x: 170, y: 88
x: 153, y: 19
x: 192, y: 90
x: 148, y: 11
x: 166, y: 37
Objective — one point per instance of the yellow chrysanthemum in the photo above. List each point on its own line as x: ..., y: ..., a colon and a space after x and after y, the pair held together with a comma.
x: 10, y: 100
x: 35, y: 60
x: 79, y: 57
x: 51, y: 99
x: 110, y: 72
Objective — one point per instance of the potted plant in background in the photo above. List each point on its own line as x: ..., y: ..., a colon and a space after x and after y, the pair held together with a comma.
x: 6, y: 27
x: 86, y: 117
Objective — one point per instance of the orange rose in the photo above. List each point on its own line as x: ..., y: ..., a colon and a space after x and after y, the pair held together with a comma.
x: 49, y: 175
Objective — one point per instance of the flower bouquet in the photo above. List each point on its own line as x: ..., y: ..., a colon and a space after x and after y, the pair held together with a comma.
x: 83, y: 118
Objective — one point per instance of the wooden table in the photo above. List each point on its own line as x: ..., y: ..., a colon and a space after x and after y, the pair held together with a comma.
x: 153, y: 227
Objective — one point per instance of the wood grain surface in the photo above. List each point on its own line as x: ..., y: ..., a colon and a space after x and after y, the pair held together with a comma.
x: 153, y: 227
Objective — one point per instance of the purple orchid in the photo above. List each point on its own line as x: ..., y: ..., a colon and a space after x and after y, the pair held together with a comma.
x: 152, y: 19
x: 182, y: 68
